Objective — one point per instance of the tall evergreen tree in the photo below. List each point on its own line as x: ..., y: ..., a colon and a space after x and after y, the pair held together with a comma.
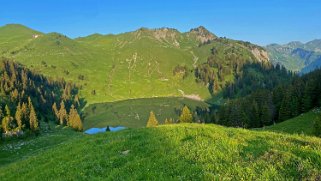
x: 18, y: 116
x: 62, y: 114
x: 152, y: 121
x: 186, y: 116
x: 55, y: 110
x: 266, y: 116
x: 33, y: 121
x: 74, y: 120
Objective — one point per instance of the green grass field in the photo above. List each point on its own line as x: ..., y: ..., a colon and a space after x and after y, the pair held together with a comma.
x: 302, y: 124
x: 174, y: 152
x: 19, y: 149
x: 134, y: 113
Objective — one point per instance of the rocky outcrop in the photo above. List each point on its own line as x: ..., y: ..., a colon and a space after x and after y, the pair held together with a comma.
x: 260, y: 54
x: 201, y: 34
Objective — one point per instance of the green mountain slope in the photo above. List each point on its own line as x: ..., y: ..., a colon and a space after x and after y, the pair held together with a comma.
x: 136, y: 64
x: 14, y: 36
x: 175, y: 152
x: 297, y: 56
x: 302, y: 124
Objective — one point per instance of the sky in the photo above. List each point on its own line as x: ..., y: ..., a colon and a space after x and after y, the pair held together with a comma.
x: 258, y: 21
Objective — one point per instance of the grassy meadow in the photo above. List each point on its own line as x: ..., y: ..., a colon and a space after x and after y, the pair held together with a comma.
x: 174, y: 152
x: 302, y: 124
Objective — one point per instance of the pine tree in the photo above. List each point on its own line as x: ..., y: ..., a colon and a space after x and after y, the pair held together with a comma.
x: 18, y: 117
x: 62, y: 114
x: 317, y: 126
x: 25, y: 115
x: 33, y: 121
x: 74, y: 120
x: 168, y: 121
x: 55, y: 110
x: 284, y: 112
x: 266, y: 116
x: 152, y: 121
x: 186, y: 116
x: 6, y: 121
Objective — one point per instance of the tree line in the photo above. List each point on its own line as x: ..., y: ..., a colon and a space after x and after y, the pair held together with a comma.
x: 266, y: 106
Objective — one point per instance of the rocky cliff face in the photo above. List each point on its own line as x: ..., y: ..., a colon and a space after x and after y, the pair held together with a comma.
x: 260, y: 54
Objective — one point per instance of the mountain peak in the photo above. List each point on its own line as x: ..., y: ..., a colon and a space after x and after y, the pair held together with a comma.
x: 202, y: 34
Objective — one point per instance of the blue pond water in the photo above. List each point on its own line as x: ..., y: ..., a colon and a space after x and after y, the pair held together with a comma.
x: 101, y: 130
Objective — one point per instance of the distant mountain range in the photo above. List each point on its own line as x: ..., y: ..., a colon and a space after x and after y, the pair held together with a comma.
x: 297, y: 56
x: 141, y: 63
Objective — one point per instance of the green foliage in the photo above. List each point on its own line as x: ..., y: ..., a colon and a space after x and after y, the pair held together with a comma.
x: 273, y: 105
x: 186, y: 116
x: 217, y: 153
x: 152, y: 121
x: 29, y: 97
x: 317, y: 126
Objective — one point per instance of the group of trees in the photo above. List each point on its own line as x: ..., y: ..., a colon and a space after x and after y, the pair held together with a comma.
x: 63, y: 118
x: 24, y: 117
x: 26, y: 98
x: 185, y: 117
x: 264, y: 107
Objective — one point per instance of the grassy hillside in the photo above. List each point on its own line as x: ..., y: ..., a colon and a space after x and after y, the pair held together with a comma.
x: 136, y: 64
x: 18, y: 149
x: 134, y: 113
x: 302, y: 124
x: 175, y: 152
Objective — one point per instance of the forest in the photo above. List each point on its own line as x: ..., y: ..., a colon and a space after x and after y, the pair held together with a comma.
x: 269, y: 100
x: 29, y: 101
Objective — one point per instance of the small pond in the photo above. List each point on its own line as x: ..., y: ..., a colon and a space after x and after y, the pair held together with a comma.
x: 101, y: 130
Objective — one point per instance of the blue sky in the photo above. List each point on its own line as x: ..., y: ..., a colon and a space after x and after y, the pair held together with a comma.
x: 258, y: 21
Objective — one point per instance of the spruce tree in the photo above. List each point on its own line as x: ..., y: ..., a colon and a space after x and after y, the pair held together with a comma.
x: 33, y: 121
x: 18, y: 117
x: 6, y: 121
x: 152, y: 121
x: 74, y: 120
x: 55, y: 110
x: 62, y: 114
x: 186, y: 116
x: 266, y: 116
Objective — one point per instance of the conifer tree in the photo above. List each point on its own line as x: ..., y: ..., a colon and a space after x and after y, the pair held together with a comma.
x: 152, y: 121
x: 55, y: 110
x: 18, y: 117
x: 186, y: 116
x: 62, y: 113
x: 168, y: 121
x: 25, y: 114
x: 33, y: 121
x: 74, y: 120
x: 266, y: 115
